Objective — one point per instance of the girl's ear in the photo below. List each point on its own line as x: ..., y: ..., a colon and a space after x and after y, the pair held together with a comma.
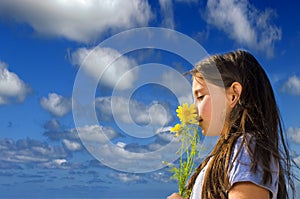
x: 234, y: 93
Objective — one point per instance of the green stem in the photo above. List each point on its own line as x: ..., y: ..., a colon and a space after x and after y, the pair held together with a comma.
x: 189, y: 141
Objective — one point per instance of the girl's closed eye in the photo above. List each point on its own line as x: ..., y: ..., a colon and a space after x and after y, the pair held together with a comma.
x: 200, y: 97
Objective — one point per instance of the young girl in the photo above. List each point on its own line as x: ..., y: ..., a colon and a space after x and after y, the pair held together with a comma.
x: 250, y: 158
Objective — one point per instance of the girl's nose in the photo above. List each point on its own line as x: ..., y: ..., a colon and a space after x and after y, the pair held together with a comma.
x: 196, y: 107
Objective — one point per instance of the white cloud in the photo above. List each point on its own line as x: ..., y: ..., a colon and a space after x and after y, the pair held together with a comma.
x: 53, y: 125
x: 164, y: 134
x: 162, y: 139
x: 184, y: 92
x: 161, y: 176
x: 96, y: 133
x: 127, y: 178
x: 88, y: 133
x: 106, y: 64
x: 29, y: 151
x: 57, y: 164
x: 292, y: 85
x: 12, y: 88
x: 56, y: 104
x: 121, y: 144
x: 187, y: 1
x: 78, y: 20
x: 71, y: 145
x: 294, y: 134
x: 140, y: 113
x: 244, y: 23
x: 166, y: 9
x: 134, y: 157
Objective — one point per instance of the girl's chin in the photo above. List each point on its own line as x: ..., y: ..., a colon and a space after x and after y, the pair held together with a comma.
x: 204, y: 132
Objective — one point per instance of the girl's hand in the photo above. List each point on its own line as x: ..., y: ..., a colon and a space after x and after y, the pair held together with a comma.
x: 175, y: 196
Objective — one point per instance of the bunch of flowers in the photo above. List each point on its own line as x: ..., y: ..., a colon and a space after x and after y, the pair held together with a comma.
x: 187, y: 134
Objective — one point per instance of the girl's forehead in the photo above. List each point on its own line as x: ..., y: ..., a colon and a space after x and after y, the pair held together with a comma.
x: 199, y: 84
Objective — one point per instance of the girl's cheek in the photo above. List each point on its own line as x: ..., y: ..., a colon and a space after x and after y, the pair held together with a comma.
x: 204, y: 108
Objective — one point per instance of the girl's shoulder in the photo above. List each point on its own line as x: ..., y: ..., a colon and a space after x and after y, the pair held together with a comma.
x: 242, y: 149
x: 244, y: 144
x: 240, y: 169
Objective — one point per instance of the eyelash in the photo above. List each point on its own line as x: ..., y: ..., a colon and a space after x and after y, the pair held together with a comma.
x: 200, y: 97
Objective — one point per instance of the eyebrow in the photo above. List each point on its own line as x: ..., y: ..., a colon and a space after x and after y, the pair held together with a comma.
x: 198, y: 91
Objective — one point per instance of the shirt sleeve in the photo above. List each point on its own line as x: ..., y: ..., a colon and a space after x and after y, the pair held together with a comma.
x: 240, y: 170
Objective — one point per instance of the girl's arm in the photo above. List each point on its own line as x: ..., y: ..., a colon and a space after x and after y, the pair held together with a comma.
x: 247, y: 190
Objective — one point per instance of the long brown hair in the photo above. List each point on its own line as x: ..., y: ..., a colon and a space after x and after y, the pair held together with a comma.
x: 256, y: 114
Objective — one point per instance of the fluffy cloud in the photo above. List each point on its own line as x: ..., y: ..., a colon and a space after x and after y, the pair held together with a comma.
x: 77, y: 20
x: 56, y: 104
x: 24, y: 153
x: 72, y: 145
x: 12, y: 88
x: 71, y: 139
x: 139, y: 112
x: 124, y: 156
x: 185, y: 92
x: 160, y: 176
x: 244, y: 23
x: 127, y: 178
x: 166, y: 9
x: 137, y: 157
x: 59, y: 134
x: 294, y: 134
x: 292, y: 85
x: 187, y: 1
x: 162, y: 139
x: 55, y: 164
x: 28, y: 151
x: 106, y: 64
x: 96, y: 133
x: 52, y: 125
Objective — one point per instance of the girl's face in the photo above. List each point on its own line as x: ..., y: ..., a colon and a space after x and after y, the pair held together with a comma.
x: 210, y: 101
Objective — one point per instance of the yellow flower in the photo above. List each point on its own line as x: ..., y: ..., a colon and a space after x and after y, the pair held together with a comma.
x: 176, y: 129
x: 189, y: 139
x: 186, y: 114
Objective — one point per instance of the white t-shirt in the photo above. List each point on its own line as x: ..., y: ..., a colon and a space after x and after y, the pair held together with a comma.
x: 240, y: 172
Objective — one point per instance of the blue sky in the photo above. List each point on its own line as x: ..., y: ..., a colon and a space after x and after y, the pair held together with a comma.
x: 46, y: 148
